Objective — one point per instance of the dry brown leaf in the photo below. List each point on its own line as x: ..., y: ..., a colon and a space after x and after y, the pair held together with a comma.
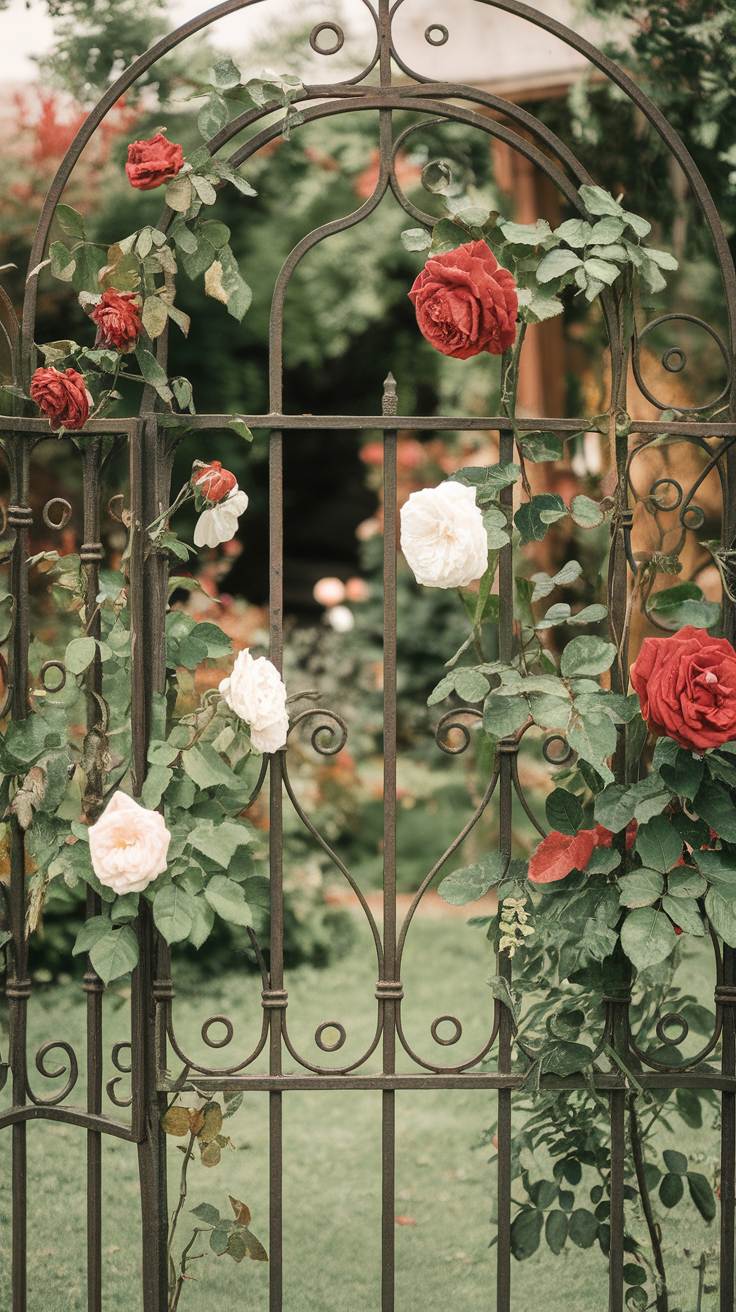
x: 175, y: 1121
x: 241, y: 1210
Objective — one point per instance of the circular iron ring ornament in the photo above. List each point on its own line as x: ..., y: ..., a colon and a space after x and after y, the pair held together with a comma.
x: 66, y: 513
x: 55, y: 1098
x: 52, y: 665
x: 119, y: 1066
x: 327, y: 27
x: 339, y: 728
x: 563, y: 757
x: 330, y: 1025
x: 682, y: 357
x: 672, y: 1018
x: 446, y: 1043
x: 450, y: 721
x: 217, y: 1043
x: 431, y: 39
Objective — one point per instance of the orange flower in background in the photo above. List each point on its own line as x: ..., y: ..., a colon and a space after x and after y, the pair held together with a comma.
x: 151, y: 163
x: 62, y: 397
x: 686, y: 686
x: 465, y: 302
x: 118, y: 320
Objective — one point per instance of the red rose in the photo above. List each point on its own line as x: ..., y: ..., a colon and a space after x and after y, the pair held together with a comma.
x: 686, y: 685
x: 465, y: 302
x: 214, y: 482
x: 558, y: 853
x: 118, y: 320
x: 62, y: 397
x: 150, y: 163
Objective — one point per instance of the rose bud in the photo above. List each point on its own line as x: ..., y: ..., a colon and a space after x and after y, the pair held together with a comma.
x: 214, y: 482
x: 465, y: 302
x: 118, y: 320
x: 62, y: 397
x: 151, y: 163
x: 686, y: 687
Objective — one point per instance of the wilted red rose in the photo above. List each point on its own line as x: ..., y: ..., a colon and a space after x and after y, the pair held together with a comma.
x: 62, y: 397
x: 118, y: 320
x: 465, y: 302
x: 214, y: 482
x: 686, y: 686
x: 558, y: 853
x: 151, y: 163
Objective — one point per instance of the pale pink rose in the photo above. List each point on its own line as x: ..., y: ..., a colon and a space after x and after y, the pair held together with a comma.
x: 256, y: 693
x: 220, y: 522
x: 329, y: 592
x: 128, y: 845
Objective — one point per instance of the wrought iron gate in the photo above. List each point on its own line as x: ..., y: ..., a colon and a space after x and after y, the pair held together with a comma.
x: 153, y: 1042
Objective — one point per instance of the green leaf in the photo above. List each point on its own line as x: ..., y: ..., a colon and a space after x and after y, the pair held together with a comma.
x: 641, y: 888
x: 115, y: 954
x: 472, y: 882
x: 576, y: 232
x: 685, y: 776
x: 564, y: 812
x: 207, y: 1213
x: 219, y: 840
x: 502, y: 716
x: 79, y: 654
x: 684, y: 912
x: 556, y: 263
x: 256, y: 1251
x: 195, y: 265
x: 640, y: 226
x: 601, y: 270
x: 689, y: 1107
x: 583, y: 1228
x: 702, y: 1195
x: 585, y: 512
x: 154, y: 316
x: 90, y: 933
x: 173, y: 912
x: 526, y: 1229
x: 241, y: 428
x: 63, y: 262
x: 684, y: 883
x: 647, y: 937
x: 671, y: 1190
x: 555, y: 1230
x: 157, y: 780
x: 722, y: 916
x: 534, y: 517
x: 607, y: 230
x: 540, y: 446
x: 207, y: 768
x: 675, y: 1162
x: 471, y: 685
x: 124, y: 908
x: 447, y: 236
x: 203, y: 918
x: 718, y: 867
x: 416, y: 239
x: 226, y: 898
x: 587, y: 656
x: 70, y: 221
x: 212, y: 116
x: 153, y: 373
x: 88, y: 260
x: 659, y: 845
x: 598, y: 201
x: 239, y: 294
x: 714, y: 805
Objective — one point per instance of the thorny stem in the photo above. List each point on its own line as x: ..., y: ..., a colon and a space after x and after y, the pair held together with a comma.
x: 182, y: 1270
x: 661, y: 1303
x: 179, y: 1205
x: 185, y: 495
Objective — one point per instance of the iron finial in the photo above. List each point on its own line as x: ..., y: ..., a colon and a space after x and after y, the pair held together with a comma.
x: 390, y: 402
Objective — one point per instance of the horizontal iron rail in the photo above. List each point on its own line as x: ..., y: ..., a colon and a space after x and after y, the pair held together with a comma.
x: 72, y: 1116
x: 439, y: 423
x: 604, y: 1082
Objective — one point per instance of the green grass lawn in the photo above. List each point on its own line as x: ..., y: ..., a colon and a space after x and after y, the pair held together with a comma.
x: 331, y: 1163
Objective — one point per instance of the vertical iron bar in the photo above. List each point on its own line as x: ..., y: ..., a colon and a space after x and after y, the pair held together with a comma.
x: 91, y: 555
x: 728, y: 1134
x: 148, y: 471
x: 18, y: 988
x: 277, y: 994
x: 505, y: 785
x: 618, y: 1152
x: 389, y: 989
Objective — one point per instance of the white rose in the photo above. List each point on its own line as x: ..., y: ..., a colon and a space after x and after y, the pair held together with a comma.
x: 340, y: 618
x: 255, y: 691
x: 442, y: 536
x: 128, y: 845
x: 220, y: 522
